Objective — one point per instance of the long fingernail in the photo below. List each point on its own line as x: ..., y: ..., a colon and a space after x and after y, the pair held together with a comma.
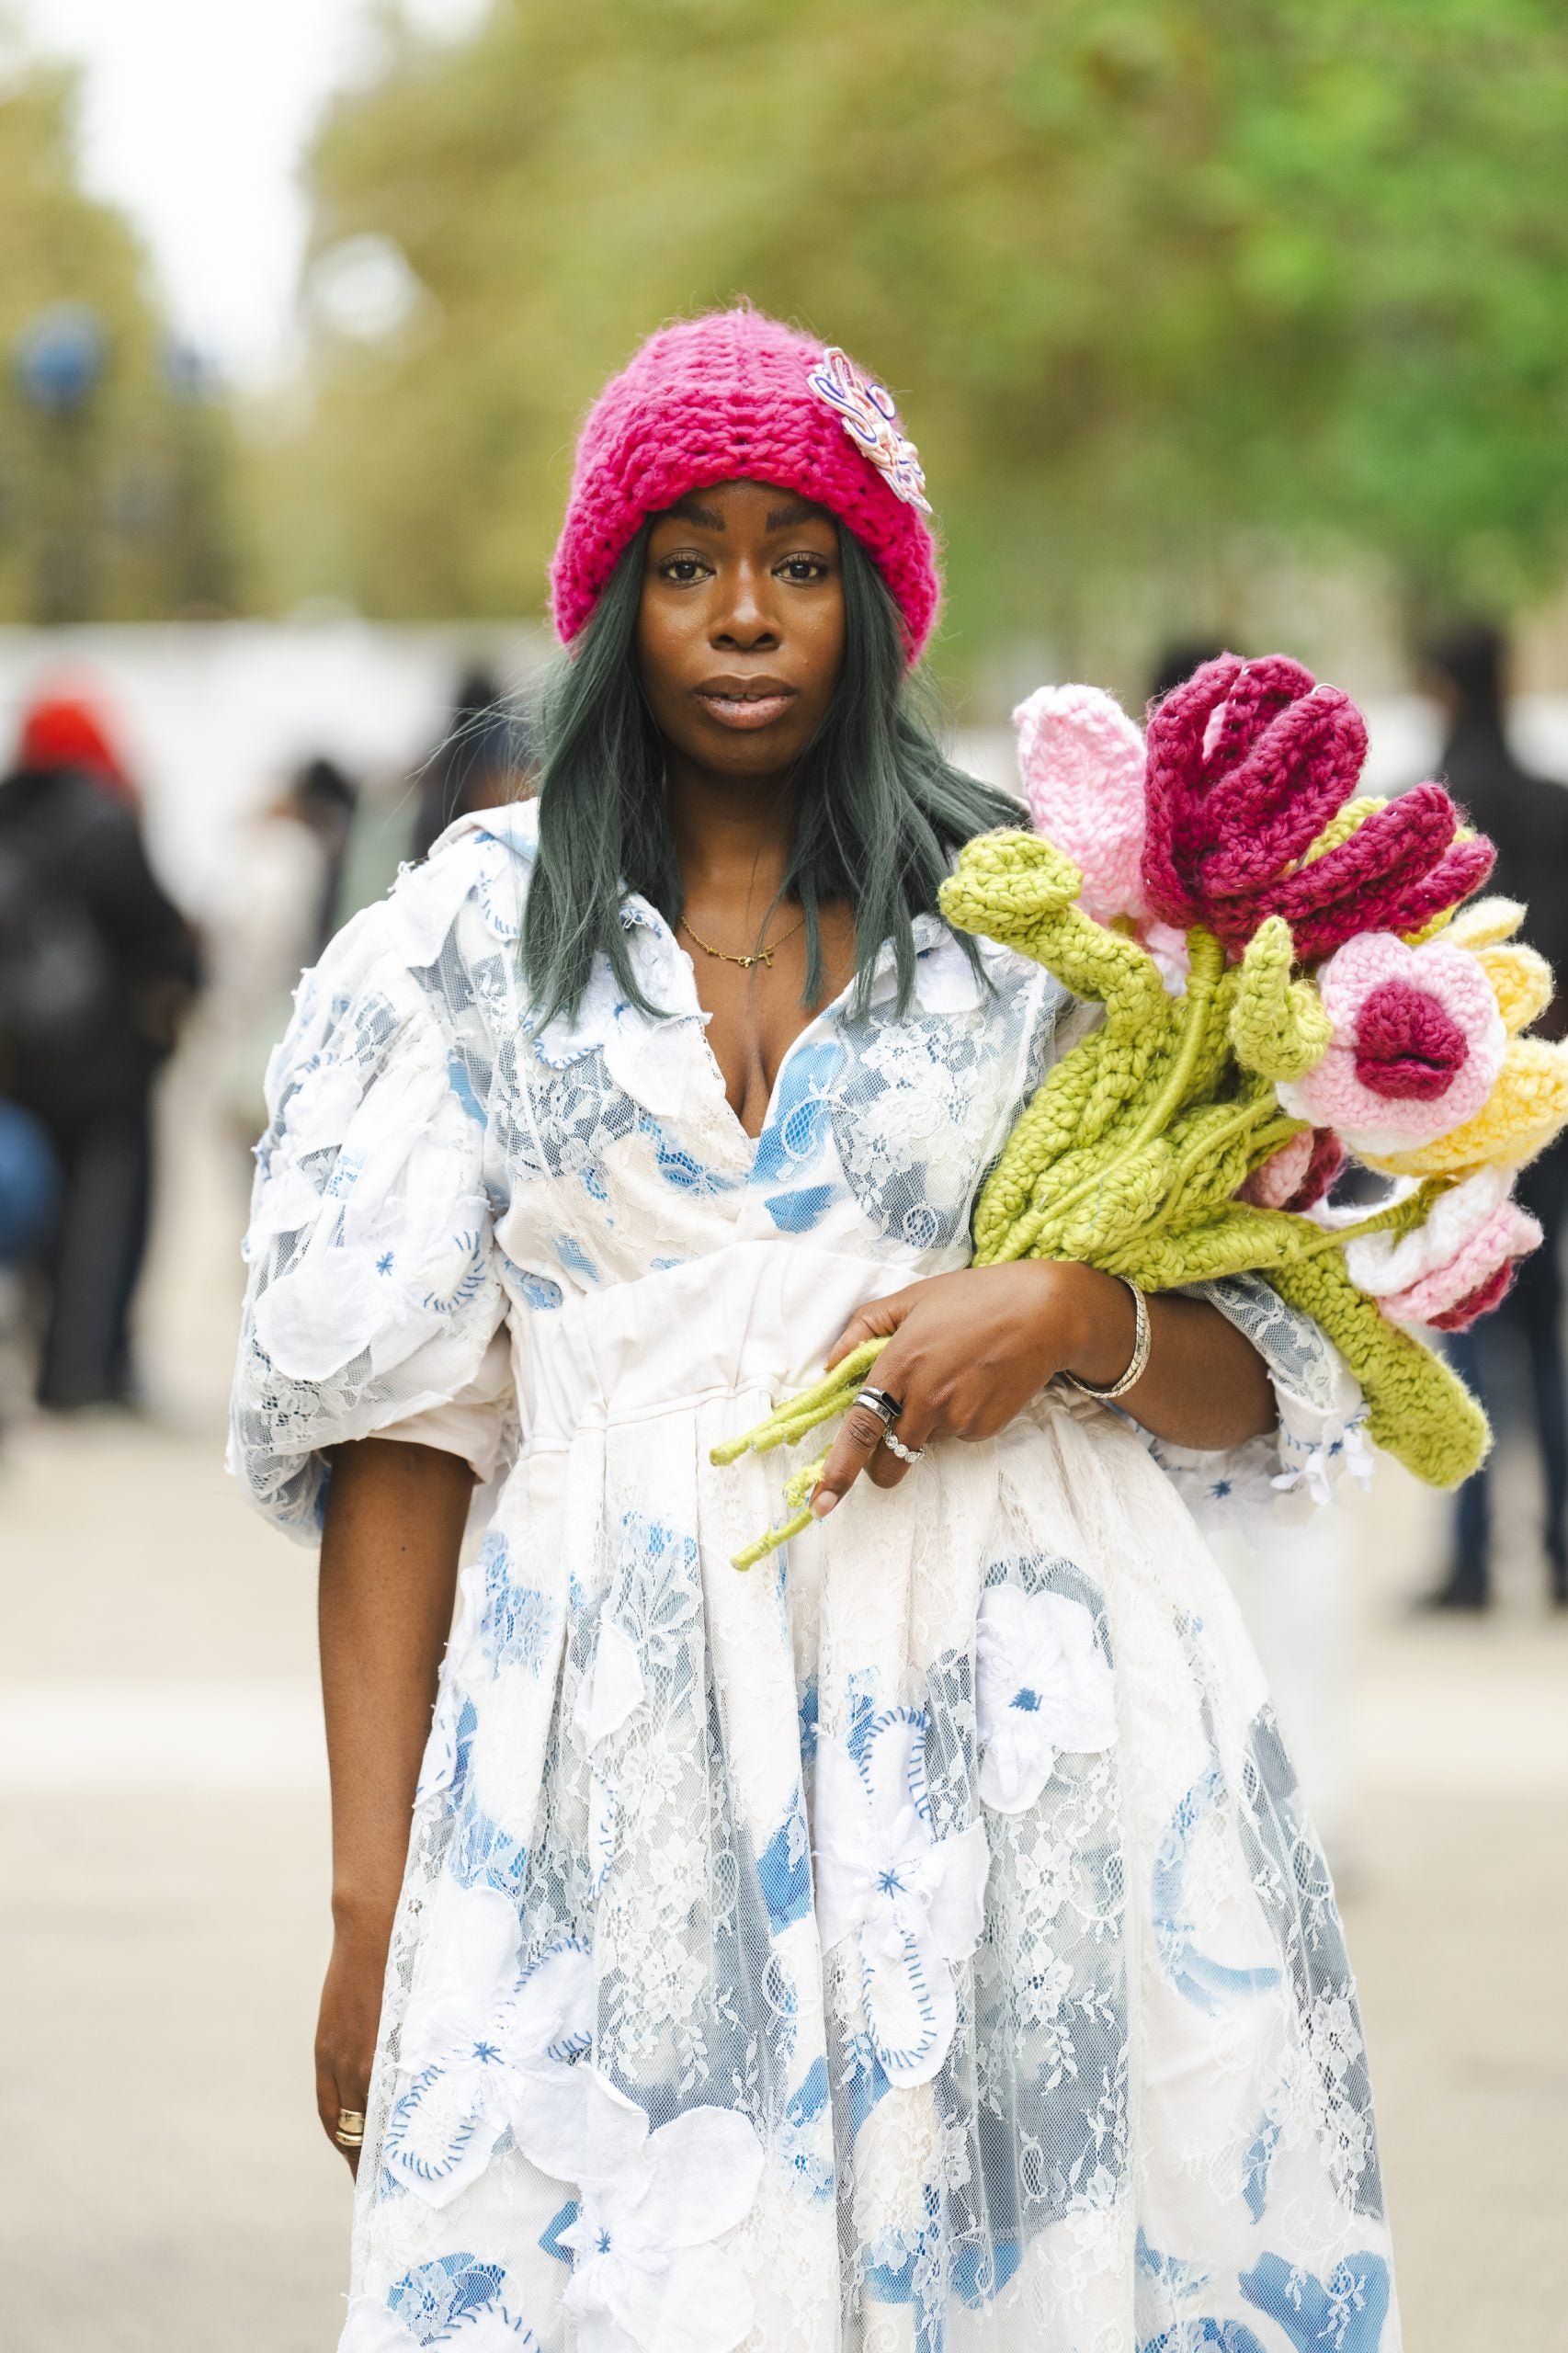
x: 822, y: 1503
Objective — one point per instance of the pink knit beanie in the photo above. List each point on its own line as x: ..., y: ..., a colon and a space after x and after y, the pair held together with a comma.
x: 737, y: 397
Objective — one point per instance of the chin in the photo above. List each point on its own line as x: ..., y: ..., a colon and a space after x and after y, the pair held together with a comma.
x: 734, y: 753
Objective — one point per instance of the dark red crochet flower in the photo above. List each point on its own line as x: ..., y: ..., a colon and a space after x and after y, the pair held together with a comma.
x: 1247, y: 762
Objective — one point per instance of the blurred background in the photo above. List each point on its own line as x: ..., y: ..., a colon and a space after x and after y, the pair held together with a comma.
x: 1215, y: 325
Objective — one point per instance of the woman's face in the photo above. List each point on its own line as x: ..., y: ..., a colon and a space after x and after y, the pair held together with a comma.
x: 739, y: 633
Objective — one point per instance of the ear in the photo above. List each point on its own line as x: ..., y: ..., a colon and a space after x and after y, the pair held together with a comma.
x: 1081, y: 759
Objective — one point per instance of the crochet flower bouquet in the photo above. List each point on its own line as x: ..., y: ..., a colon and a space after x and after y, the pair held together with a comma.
x: 1288, y: 975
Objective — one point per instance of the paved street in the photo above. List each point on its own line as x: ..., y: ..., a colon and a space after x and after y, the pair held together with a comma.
x: 167, y: 2188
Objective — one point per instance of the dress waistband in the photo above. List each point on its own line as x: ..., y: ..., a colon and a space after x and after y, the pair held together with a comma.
x: 753, y: 1317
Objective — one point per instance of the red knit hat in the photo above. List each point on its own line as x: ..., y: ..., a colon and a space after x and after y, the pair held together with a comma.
x: 62, y: 730
x: 737, y: 397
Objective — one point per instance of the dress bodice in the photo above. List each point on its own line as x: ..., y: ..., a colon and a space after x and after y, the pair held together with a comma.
x: 611, y: 1150
x: 439, y: 1164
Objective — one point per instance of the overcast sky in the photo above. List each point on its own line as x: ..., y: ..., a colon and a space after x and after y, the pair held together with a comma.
x: 196, y: 115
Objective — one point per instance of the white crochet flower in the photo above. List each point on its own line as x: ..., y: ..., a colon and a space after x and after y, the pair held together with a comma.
x: 475, y: 2044
x: 645, y: 2275
x: 1470, y: 1234
x: 1041, y: 1686
x: 914, y: 1901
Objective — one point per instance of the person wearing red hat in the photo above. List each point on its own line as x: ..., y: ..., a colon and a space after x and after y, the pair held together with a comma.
x: 65, y: 730
x: 913, y: 1942
x: 96, y: 969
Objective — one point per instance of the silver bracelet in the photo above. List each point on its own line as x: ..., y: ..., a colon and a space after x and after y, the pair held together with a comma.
x: 1139, y: 1364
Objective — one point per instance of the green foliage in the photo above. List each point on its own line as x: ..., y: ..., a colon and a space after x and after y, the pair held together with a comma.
x: 1156, y: 280
x: 118, y: 510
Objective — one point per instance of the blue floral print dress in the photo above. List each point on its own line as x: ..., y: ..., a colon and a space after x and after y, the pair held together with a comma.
x: 912, y: 1946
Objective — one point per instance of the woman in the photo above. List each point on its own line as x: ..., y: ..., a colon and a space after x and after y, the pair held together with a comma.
x: 916, y: 1942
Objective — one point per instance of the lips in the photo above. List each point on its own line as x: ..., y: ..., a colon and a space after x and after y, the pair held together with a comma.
x: 745, y: 704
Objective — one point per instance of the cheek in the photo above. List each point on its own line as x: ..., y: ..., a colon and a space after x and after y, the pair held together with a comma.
x: 661, y: 644
x: 822, y: 643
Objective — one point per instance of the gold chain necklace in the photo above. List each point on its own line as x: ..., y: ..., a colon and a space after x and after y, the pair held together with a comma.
x: 760, y: 956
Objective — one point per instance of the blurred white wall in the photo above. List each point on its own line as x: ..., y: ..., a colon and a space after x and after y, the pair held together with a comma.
x: 213, y: 715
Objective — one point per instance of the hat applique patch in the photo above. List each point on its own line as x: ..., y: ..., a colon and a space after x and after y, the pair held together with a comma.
x: 867, y: 413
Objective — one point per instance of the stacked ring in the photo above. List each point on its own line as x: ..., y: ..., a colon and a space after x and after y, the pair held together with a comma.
x: 349, y: 2132
x: 886, y: 1409
x: 896, y: 1446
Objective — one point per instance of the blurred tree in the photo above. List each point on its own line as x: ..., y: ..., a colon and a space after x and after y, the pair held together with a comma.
x: 115, y: 455
x: 1163, y: 285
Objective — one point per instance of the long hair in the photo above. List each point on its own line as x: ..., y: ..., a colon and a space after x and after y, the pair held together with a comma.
x: 879, y: 810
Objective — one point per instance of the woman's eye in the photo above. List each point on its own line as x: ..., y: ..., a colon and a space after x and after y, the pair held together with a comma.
x: 805, y: 567
x: 682, y: 569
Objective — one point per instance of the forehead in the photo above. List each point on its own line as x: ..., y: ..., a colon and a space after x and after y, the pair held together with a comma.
x: 744, y: 505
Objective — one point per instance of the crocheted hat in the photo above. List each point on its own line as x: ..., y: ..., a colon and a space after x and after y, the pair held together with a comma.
x: 735, y: 397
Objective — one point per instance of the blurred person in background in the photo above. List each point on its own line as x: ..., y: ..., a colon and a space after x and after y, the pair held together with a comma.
x: 1179, y: 659
x: 1527, y: 816
x: 63, y: 728
x: 480, y: 762
x: 279, y: 903
x: 29, y: 1202
x: 97, y: 968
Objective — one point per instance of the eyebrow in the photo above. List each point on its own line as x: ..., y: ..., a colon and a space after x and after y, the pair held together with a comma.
x: 780, y: 518
x: 691, y: 510
x: 793, y: 511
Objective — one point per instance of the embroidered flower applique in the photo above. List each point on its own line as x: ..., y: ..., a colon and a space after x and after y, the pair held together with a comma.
x: 867, y: 412
x: 477, y: 2043
x: 914, y: 1901
x: 456, y: 2299
x: 1042, y: 1686
x: 645, y: 2275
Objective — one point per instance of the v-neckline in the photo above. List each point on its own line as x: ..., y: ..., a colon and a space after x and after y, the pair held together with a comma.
x: 640, y: 914
x: 754, y: 1143
x: 644, y: 913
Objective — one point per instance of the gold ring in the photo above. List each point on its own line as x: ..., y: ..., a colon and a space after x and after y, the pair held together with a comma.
x: 349, y: 2132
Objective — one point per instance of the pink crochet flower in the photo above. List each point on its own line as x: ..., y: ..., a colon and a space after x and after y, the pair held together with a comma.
x: 1299, y: 1175
x: 1081, y: 759
x: 1417, y: 1045
x: 1454, y: 1268
x: 1247, y: 763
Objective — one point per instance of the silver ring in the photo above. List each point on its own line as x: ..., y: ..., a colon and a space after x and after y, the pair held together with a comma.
x: 904, y: 1453
x: 886, y: 1409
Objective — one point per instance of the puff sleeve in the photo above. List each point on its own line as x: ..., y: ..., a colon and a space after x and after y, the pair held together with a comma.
x: 372, y: 1295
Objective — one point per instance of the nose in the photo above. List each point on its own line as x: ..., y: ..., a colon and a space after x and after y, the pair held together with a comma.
x: 745, y: 620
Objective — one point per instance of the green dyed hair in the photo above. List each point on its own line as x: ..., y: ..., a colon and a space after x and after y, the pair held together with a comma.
x: 881, y: 812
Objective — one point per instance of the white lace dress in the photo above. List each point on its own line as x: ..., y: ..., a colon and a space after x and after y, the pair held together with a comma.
x: 912, y: 1946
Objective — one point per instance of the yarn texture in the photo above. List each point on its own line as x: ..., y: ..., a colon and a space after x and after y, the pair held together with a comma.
x: 1193, y: 1132
x: 726, y: 398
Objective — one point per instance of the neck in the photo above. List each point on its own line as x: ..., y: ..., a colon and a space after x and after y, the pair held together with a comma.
x: 733, y: 836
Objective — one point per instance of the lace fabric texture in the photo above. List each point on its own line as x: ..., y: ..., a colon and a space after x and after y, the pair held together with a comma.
x: 916, y: 1943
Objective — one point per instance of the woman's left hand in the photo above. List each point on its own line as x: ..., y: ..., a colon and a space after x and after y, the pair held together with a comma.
x: 967, y: 1352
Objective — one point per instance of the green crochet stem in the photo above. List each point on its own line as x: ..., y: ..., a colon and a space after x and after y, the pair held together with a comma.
x: 1131, y: 1154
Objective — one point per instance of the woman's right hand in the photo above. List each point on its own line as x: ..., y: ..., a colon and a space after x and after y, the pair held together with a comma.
x: 350, y: 2014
